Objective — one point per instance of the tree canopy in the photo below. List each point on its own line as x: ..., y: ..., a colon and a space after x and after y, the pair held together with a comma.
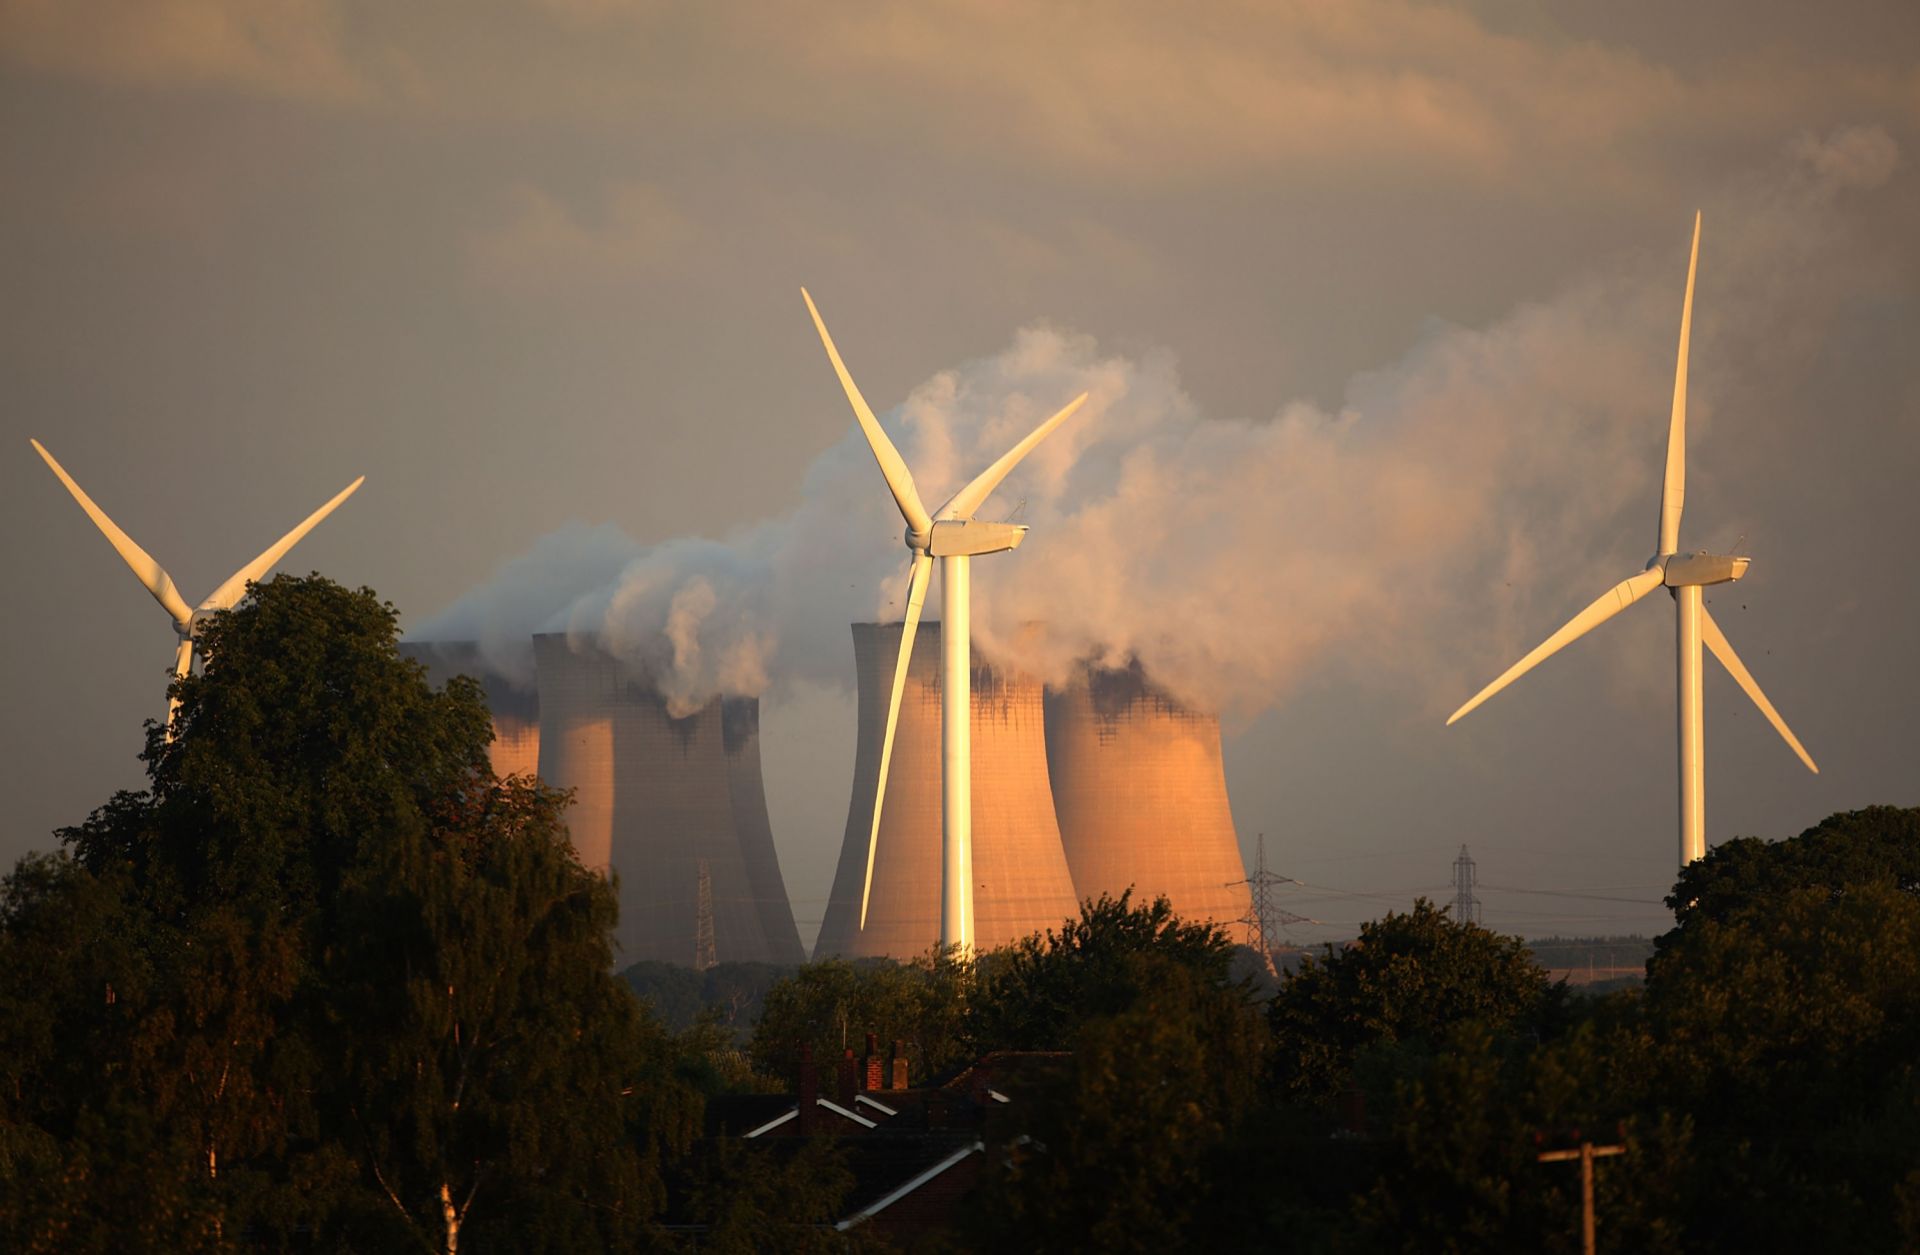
x: 1409, y: 978
x: 1037, y: 993
x: 1877, y: 845
x: 326, y: 981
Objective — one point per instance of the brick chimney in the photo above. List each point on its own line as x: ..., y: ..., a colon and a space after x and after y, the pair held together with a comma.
x: 899, y: 1078
x: 873, y: 1066
x: 809, y: 1089
x: 849, y: 1079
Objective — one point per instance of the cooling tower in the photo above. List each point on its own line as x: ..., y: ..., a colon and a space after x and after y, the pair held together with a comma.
x: 1142, y: 796
x: 740, y: 733
x: 1020, y: 877
x: 675, y: 806
x: 516, y: 715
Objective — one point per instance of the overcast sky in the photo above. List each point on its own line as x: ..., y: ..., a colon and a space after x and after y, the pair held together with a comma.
x: 1377, y: 302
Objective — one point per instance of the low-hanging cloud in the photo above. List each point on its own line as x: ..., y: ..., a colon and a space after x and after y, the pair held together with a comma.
x: 1232, y: 558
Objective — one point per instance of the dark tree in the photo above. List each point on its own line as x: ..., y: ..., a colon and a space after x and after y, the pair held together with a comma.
x: 326, y: 980
x: 1124, y: 1146
x: 1407, y: 980
x: 1880, y: 844
x: 832, y: 1005
x: 1791, y: 1035
x: 1456, y: 1167
x: 783, y: 1195
x: 1036, y: 994
x: 728, y: 994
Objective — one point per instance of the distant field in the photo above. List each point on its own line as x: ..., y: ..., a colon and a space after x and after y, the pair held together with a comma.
x: 1595, y: 962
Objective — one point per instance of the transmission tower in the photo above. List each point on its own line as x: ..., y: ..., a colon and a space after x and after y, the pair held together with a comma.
x: 1262, y: 914
x: 1466, y: 907
x: 704, y: 955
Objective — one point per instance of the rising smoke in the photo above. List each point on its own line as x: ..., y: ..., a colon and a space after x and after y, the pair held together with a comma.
x: 1460, y: 495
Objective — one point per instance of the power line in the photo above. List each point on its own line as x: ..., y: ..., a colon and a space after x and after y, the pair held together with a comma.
x: 1567, y: 893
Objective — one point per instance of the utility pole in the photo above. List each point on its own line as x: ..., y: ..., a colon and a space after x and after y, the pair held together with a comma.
x: 704, y: 955
x: 1586, y: 1154
x: 1466, y: 907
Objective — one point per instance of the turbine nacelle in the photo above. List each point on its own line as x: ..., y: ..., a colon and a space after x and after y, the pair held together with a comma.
x: 954, y: 538
x: 195, y: 627
x: 1684, y: 570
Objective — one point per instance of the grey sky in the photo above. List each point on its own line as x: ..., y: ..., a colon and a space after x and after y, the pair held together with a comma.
x: 534, y: 264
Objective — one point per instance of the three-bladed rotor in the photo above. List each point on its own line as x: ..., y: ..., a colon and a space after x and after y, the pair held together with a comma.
x: 154, y: 578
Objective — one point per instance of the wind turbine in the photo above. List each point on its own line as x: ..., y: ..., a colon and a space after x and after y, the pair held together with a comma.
x: 1684, y: 575
x: 154, y: 578
x: 954, y: 536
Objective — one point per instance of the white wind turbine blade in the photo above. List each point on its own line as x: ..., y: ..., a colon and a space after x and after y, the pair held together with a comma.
x: 1717, y: 641
x: 145, y: 569
x: 1673, y: 494
x: 892, y: 465
x: 224, y: 597
x: 1604, y: 607
x: 916, y: 597
x: 182, y: 664
x: 963, y: 503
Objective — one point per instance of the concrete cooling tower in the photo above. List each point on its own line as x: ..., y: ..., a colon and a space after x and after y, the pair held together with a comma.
x: 516, y: 715
x: 1021, y: 881
x: 1142, y: 796
x: 675, y: 806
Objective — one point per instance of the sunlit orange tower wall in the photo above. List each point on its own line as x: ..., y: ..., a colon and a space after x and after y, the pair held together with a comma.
x: 516, y: 713
x: 1020, y: 877
x: 1141, y: 794
x: 675, y: 806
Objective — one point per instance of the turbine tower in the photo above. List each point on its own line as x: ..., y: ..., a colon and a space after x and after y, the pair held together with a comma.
x: 1684, y: 575
x: 187, y: 621
x: 954, y: 536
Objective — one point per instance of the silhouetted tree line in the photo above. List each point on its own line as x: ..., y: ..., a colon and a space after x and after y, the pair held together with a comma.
x: 327, y: 984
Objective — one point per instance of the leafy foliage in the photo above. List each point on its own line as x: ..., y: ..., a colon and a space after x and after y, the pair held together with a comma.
x: 1037, y: 994
x: 326, y: 981
x: 1766, y: 1080
x: 1406, y: 982
x: 1877, y: 845
x: 1793, y: 1034
x: 831, y: 1005
x: 1123, y: 1147
x: 780, y: 1196
x: 728, y: 994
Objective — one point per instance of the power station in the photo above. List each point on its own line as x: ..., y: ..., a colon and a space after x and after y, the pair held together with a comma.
x: 740, y: 737
x: 675, y: 806
x: 1021, y: 883
x: 1103, y: 785
x: 665, y: 802
x: 1141, y: 795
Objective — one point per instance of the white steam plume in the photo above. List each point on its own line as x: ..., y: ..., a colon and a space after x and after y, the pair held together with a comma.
x: 1234, y: 557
